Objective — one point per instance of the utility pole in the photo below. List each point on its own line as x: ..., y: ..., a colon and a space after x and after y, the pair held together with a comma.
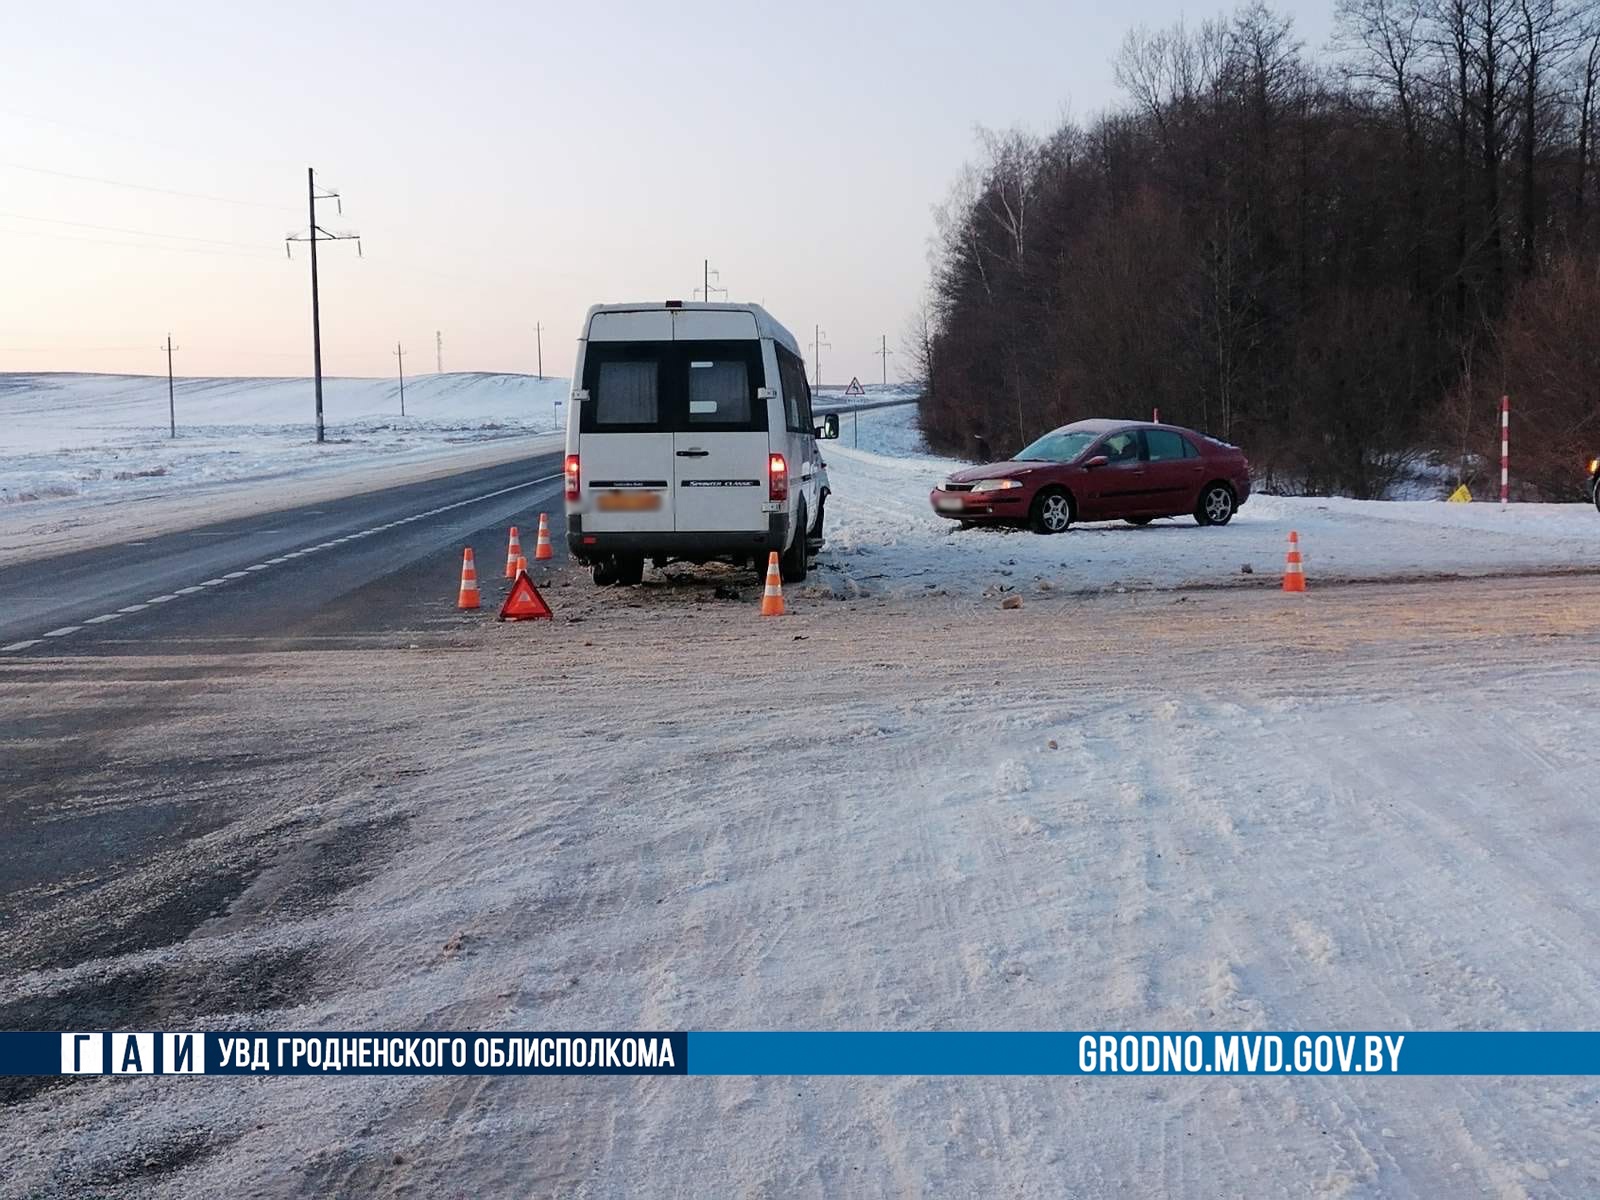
x: 438, y: 350
x: 704, y: 291
x: 883, y: 353
x: 172, y: 410
x: 818, y: 345
x: 315, y: 233
x: 400, y: 357
x: 538, y: 334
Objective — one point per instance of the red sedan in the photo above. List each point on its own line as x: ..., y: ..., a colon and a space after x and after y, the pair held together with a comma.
x: 1102, y: 471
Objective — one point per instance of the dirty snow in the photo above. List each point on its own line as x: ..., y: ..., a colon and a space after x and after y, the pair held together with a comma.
x: 1373, y: 813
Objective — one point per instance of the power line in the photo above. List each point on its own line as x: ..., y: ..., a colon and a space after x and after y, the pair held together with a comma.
x: 884, y: 352
x: 310, y: 235
x: 142, y: 187
x: 182, y: 237
x: 400, y: 357
x: 68, y: 237
x: 172, y: 408
x: 818, y: 345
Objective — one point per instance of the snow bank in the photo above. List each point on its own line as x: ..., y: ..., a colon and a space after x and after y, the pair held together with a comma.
x: 884, y: 537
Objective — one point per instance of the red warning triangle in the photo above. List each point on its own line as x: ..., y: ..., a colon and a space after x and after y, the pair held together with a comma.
x: 524, y: 603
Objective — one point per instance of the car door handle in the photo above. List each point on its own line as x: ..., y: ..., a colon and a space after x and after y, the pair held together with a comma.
x: 693, y: 453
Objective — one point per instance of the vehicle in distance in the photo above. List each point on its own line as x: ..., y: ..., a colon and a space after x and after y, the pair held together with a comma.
x: 1101, y: 471
x: 690, y: 437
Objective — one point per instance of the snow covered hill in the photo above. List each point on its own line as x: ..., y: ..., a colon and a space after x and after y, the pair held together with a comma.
x: 94, y: 436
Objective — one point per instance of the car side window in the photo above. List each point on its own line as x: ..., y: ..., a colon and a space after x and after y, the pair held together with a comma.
x: 1162, y: 445
x: 1121, y: 449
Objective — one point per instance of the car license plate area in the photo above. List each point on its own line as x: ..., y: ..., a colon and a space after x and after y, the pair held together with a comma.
x: 949, y: 504
x: 617, y: 501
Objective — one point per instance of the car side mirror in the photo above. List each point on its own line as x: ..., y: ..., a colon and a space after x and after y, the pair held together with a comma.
x: 1099, y: 460
x: 829, y: 429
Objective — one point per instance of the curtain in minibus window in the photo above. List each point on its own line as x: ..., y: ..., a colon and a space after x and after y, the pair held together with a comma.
x: 719, y: 392
x: 626, y: 394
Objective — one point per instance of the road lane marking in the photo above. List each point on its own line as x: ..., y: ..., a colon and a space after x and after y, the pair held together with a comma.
x: 66, y: 630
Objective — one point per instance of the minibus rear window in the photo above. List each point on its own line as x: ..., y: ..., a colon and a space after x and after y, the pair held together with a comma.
x: 626, y: 393
x: 673, y: 387
x: 719, y: 392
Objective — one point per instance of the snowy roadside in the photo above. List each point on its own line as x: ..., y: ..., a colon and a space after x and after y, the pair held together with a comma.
x: 884, y: 537
x: 87, y: 459
x: 1226, y: 844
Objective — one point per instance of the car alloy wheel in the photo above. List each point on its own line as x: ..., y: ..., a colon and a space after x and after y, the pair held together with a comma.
x: 1217, y: 505
x: 1052, y: 512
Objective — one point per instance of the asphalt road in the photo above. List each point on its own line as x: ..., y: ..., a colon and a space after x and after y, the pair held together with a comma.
x: 343, y: 566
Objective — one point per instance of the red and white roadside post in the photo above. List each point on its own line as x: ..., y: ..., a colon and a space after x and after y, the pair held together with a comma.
x: 1505, y: 452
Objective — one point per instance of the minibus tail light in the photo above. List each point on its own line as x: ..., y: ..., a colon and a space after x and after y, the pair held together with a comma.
x: 572, y: 477
x: 777, y: 477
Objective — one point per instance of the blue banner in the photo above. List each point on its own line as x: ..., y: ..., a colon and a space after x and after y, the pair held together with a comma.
x: 777, y: 1053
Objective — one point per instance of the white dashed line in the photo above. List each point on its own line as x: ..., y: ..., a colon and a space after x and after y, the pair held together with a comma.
x: 63, y: 631
x: 235, y: 575
x: 188, y: 591
x: 257, y: 567
x: 103, y: 618
x: 21, y: 645
x: 163, y: 599
x: 133, y: 608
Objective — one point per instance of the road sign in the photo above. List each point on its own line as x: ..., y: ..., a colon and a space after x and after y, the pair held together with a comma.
x: 855, y: 388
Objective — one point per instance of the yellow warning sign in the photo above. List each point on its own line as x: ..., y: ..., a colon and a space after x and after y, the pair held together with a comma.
x: 1461, y: 495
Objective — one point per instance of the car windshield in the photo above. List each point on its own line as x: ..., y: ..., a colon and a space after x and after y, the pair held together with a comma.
x: 1055, y: 447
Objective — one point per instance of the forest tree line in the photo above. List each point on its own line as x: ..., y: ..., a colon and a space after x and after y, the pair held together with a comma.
x: 1338, y: 261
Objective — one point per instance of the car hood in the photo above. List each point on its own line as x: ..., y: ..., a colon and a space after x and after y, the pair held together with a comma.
x: 999, y: 470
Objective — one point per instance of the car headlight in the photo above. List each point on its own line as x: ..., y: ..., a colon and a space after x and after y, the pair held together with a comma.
x: 996, y: 485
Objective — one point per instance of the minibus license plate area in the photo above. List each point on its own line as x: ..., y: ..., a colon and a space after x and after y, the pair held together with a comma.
x: 620, y: 501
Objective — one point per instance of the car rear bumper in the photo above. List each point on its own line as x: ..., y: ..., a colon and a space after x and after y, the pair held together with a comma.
x: 978, y: 506
x: 678, y: 543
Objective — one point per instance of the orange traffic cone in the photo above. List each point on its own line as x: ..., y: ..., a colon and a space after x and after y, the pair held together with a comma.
x: 772, y: 598
x: 513, y: 552
x: 542, y: 550
x: 469, y: 581
x: 1294, y: 574
x: 522, y: 566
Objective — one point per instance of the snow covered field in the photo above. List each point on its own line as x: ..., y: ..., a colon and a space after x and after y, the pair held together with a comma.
x: 884, y: 537
x: 1372, y: 812
x: 106, y: 436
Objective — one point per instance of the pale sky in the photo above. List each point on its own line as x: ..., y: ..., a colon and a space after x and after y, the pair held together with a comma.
x: 506, y: 164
